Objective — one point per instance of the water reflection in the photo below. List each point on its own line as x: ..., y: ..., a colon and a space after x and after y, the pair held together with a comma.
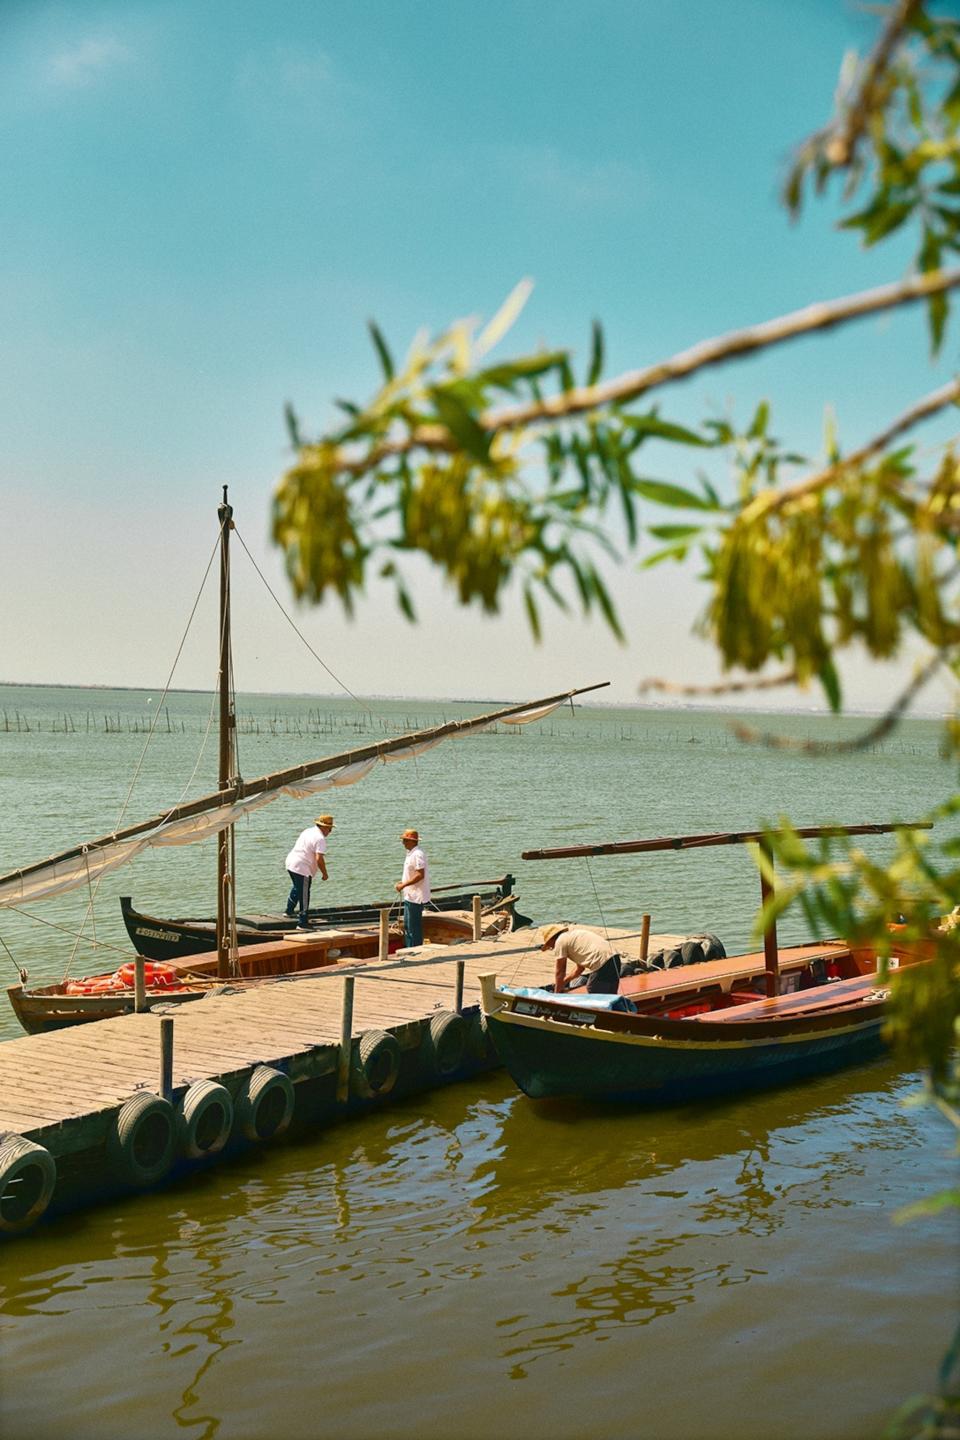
x: 574, y: 1225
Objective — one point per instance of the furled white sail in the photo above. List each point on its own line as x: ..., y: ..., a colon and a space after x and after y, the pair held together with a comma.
x: 199, y: 819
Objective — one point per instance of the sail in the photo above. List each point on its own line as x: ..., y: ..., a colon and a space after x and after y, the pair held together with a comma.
x: 198, y: 819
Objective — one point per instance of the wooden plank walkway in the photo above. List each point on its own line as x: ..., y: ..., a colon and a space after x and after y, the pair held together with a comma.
x: 61, y: 1088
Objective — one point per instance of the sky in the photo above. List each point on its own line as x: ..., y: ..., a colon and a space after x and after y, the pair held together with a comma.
x: 203, y: 204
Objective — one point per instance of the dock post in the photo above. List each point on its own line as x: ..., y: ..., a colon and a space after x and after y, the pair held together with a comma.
x: 346, y: 1041
x: 166, y: 1057
x: 139, y: 985
x: 458, y: 1001
x: 644, y: 937
x: 476, y: 917
x: 384, y: 950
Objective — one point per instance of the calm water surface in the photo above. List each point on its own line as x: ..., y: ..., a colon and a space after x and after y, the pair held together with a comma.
x: 472, y: 1263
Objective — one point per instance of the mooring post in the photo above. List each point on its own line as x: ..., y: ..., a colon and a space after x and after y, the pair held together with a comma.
x: 476, y: 917
x: 458, y: 1000
x: 644, y: 937
x: 139, y: 985
x: 166, y: 1056
x: 346, y: 1041
x: 384, y: 950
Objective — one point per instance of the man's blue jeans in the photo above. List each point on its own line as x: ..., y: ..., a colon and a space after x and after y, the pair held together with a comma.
x: 412, y: 923
x: 299, y: 897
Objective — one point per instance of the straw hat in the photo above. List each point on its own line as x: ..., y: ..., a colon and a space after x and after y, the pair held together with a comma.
x: 410, y: 835
x: 550, y: 933
x: 324, y: 820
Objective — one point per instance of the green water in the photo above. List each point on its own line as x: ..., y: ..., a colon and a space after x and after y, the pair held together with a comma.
x: 473, y: 1264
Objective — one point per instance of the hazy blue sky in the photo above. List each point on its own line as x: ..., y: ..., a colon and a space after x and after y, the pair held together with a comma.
x: 204, y: 200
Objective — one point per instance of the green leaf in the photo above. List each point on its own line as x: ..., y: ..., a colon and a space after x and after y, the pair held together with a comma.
x: 760, y: 421
x: 938, y: 308
x: 663, y: 493
x: 671, y: 552
x: 293, y: 426
x: 506, y: 376
x: 380, y: 345
x: 674, y: 532
x: 652, y: 425
x: 891, y: 219
x: 830, y: 681
x: 533, y: 614
x: 596, y: 353
x: 606, y: 605
x: 461, y: 424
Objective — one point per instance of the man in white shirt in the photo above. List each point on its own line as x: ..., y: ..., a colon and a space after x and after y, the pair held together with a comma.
x: 588, y: 953
x: 305, y: 859
x: 414, y: 887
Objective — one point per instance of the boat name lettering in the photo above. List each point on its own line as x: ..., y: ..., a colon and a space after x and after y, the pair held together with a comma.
x: 170, y: 935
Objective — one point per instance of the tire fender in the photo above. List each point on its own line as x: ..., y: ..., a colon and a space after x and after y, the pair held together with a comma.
x: 143, y: 1139
x: 447, y: 1040
x: 28, y: 1176
x: 479, y: 1044
x: 378, y: 1063
x: 205, y: 1116
x: 265, y: 1104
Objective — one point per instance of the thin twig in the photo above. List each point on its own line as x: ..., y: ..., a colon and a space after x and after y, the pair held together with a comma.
x: 887, y: 722
x: 727, y: 687
x: 841, y: 148
x: 822, y: 315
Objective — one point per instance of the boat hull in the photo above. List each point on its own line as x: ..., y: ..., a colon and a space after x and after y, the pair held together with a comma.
x: 165, y: 939
x: 576, y: 1066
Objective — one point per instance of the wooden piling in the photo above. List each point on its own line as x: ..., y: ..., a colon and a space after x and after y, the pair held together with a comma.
x: 384, y: 950
x: 346, y: 1041
x: 166, y: 1057
x: 644, y: 937
x: 477, y: 924
x: 458, y: 999
x: 139, y: 985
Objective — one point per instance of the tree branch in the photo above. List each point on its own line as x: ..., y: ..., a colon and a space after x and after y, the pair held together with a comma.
x: 822, y: 315
x: 887, y: 722
x: 725, y: 687
x: 841, y: 147
x: 770, y: 501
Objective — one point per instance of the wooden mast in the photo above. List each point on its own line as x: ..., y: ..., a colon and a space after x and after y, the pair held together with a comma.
x: 225, y: 776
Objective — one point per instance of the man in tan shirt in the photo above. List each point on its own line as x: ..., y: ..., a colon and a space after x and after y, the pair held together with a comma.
x: 588, y: 953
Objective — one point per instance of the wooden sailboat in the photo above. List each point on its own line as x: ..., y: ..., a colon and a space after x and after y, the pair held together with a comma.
x: 260, y: 956
x: 708, y: 1030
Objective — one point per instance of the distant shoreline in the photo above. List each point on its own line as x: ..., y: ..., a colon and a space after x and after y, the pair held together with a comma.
x: 641, y: 706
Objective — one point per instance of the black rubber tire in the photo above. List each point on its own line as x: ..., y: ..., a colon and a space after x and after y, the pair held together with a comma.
x: 28, y: 1177
x: 448, y: 1042
x: 691, y: 952
x: 143, y: 1140
x: 205, y: 1116
x: 713, y: 948
x: 656, y: 961
x: 671, y: 959
x: 377, y: 1064
x: 265, y: 1104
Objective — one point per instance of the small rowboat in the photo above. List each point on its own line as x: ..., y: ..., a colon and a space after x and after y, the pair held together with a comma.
x: 707, y: 1030
x: 101, y: 997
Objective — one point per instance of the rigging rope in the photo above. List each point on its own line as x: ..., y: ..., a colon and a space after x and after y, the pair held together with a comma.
x: 290, y: 621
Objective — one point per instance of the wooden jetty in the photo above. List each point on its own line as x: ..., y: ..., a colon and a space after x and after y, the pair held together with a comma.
x: 123, y: 1103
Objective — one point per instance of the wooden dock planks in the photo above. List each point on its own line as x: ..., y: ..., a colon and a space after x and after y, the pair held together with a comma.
x: 59, y: 1079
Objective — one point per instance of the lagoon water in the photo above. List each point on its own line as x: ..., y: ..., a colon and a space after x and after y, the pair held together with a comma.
x: 471, y: 1263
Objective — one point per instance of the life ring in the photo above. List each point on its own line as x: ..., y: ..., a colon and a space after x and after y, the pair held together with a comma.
x: 447, y: 1038
x: 156, y: 973
x: 378, y: 1063
x: 143, y: 1139
x: 265, y: 1104
x: 205, y: 1116
x: 28, y: 1176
